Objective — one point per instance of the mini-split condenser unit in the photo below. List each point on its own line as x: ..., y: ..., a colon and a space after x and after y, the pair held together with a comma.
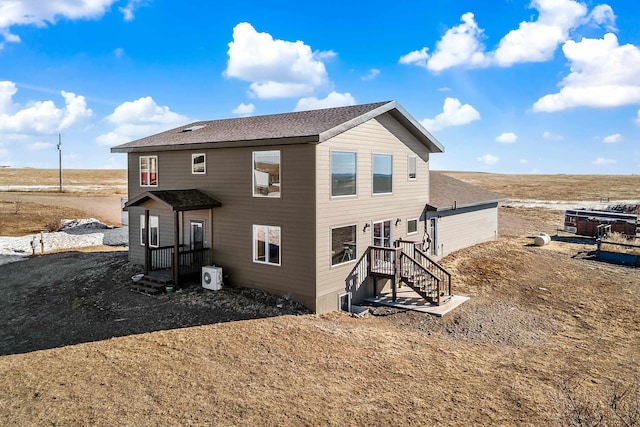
x: 212, y: 277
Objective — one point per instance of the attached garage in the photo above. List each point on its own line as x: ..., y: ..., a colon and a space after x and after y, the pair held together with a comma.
x: 459, y: 214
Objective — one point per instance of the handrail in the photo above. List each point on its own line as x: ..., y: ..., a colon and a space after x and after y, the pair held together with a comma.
x: 434, y: 268
x: 359, y: 273
x: 409, y: 267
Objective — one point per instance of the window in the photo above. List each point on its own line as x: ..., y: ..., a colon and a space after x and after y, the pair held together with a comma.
x: 382, y: 234
x: 343, y: 174
x: 266, y: 244
x: 198, y: 163
x: 411, y: 166
x: 382, y: 173
x: 266, y: 173
x: 148, y: 171
x: 412, y: 226
x: 343, y: 244
x: 154, y: 236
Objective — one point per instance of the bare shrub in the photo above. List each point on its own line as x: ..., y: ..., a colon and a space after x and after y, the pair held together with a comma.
x: 54, y: 223
x: 17, y: 204
x: 617, y: 405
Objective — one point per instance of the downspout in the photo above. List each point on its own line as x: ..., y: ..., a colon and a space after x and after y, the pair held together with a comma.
x: 176, y: 248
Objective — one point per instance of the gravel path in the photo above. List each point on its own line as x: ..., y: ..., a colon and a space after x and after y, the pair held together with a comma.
x: 75, y: 234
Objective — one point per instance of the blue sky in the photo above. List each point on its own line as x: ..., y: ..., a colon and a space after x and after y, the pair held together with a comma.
x: 508, y: 86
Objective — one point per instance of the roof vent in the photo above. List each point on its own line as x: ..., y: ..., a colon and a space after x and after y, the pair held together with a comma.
x: 192, y: 128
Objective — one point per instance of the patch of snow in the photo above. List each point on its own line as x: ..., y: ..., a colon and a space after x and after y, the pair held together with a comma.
x: 75, y: 234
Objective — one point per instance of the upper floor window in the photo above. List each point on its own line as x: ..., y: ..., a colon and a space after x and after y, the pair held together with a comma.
x: 343, y: 173
x: 266, y: 173
x: 382, y: 173
x: 266, y: 244
x: 411, y: 166
x: 149, y: 171
x: 198, y: 164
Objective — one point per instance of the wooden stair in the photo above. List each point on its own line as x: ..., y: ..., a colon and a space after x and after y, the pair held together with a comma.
x: 151, y: 285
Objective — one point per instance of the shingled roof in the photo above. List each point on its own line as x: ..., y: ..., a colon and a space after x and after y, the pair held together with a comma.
x: 447, y: 193
x: 314, y: 126
x: 177, y: 200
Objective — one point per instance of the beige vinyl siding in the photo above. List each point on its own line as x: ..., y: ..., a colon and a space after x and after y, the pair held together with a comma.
x: 461, y: 228
x: 407, y: 200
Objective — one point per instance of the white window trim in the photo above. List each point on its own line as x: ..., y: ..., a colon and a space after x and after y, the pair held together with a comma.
x: 417, y: 227
x: 355, y: 252
x: 253, y: 243
x: 415, y: 158
x: 253, y: 175
x: 348, y: 295
x: 373, y: 193
x: 143, y: 226
x: 149, y: 171
x: 193, y: 158
x: 331, y: 175
x: 382, y: 221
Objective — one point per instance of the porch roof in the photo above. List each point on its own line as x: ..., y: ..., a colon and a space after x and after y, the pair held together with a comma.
x: 177, y: 200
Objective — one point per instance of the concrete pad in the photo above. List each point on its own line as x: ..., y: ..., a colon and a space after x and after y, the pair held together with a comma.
x: 407, y: 299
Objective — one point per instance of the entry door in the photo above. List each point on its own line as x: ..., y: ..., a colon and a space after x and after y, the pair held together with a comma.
x: 433, y: 232
x: 197, y: 235
x: 382, y: 233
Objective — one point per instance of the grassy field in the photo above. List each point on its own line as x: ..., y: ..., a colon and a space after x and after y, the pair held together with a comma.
x: 549, y: 337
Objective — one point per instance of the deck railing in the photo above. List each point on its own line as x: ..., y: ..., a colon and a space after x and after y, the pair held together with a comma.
x: 190, y: 260
x: 411, y: 248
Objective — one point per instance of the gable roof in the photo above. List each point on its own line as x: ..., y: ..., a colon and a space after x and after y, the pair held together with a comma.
x: 177, y: 200
x: 310, y: 127
x: 447, y: 193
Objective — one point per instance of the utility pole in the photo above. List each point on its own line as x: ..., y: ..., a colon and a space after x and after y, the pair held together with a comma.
x: 60, y: 160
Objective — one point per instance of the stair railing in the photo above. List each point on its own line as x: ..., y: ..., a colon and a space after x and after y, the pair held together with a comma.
x: 412, y: 273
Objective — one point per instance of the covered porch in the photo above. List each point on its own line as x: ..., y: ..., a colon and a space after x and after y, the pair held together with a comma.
x: 189, y: 248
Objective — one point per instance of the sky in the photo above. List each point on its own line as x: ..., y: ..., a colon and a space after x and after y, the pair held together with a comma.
x: 507, y: 86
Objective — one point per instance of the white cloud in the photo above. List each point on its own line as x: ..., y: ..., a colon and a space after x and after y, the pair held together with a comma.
x: 39, y: 117
x: 524, y: 161
x: 552, y: 136
x: 537, y: 41
x: 453, y: 114
x: 244, y: 109
x: 118, y: 52
x: 275, y: 68
x: 137, y: 119
x: 602, y: 15
x: 373, y: 73
x: 603, y: 74
x: 129, y: 9
x: 613, y: 139
x: 417, y: 57
x: 40, y: 13
x: 488, y: 159
x: 40, y: 146
x: 602, y: 161
x: 460, y: 45
x: 507, y: 138
x: 334, y: 99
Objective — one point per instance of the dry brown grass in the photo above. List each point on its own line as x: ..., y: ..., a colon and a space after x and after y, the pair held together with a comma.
x: 537, y: 317
x: 556, y: 187
x: 108, y: 181
x: 20, y: 218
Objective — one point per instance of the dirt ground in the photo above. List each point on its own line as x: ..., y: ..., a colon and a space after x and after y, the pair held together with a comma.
x: 549, y: 336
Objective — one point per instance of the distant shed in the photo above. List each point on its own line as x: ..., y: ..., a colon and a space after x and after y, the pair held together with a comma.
x: 460, y: 214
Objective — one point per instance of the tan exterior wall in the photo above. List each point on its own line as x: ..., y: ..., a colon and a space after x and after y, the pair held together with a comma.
x: 461, y: 228
x: 406, y: 202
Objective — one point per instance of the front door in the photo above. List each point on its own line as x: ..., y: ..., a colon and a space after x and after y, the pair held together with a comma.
x: 382, y: 233
x: 197, y: 235
x: 433, y: 231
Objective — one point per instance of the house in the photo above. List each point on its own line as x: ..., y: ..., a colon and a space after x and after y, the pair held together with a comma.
x: 317, y: 205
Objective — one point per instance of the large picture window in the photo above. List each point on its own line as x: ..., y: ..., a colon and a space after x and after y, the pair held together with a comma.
x: 382, y: 173
x: 343, y: 244
x: 343, y: 174
x: 148, y: 171
x: 154, y: 228
x: 266, y: 244
x: 198, y: 164
x: 266, y: 173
